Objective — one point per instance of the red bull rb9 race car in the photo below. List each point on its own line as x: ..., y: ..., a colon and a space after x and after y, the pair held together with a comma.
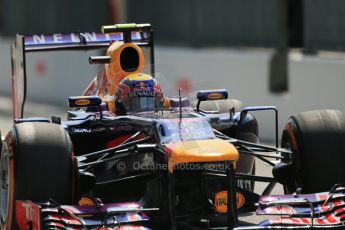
x: 128, y: 157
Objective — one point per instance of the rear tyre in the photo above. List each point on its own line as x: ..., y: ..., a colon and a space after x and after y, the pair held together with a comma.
x: 317, y: 139
x: 36, y: 164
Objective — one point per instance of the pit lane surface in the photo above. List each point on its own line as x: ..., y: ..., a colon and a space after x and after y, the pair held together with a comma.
x: 35, y: 109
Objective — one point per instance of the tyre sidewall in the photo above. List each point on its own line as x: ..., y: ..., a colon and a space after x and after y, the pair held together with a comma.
x: 41, y: 165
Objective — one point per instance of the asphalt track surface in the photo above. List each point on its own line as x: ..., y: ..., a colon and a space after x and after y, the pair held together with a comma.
x: 36, y: 109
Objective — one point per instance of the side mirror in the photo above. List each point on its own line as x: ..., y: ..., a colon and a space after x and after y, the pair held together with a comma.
x: 210, y: 95
x: 86, y: 101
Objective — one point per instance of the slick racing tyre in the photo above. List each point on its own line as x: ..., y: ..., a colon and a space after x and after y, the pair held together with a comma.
x: 36, y: 164
x: 317, y: 139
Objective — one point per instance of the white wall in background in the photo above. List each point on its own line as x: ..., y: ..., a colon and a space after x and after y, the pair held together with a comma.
x: 314, y: 82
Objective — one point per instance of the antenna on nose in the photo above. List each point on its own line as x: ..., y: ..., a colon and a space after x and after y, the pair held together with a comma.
x: 180, y: 123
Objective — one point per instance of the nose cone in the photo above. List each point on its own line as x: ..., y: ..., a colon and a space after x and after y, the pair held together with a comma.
x: 200, y: 151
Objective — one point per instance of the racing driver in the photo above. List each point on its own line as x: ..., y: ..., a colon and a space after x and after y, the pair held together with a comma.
x: 139, y: 92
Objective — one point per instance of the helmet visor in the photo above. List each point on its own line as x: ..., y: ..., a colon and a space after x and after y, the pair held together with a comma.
x: 136, y: 104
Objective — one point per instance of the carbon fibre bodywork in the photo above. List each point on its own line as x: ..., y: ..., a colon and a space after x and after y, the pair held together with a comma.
x: 142, y: 175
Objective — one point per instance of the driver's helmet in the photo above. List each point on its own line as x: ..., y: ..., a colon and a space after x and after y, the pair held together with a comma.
x: 138, y: 92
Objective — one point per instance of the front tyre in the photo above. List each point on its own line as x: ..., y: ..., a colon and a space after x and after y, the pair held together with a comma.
x: 317, y: 139
x: 5, y: 176
x: 36, y: 164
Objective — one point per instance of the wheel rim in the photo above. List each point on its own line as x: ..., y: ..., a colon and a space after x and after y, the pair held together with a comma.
x: 286, y: 188
x: 289, y: 143
x: 5, y: 181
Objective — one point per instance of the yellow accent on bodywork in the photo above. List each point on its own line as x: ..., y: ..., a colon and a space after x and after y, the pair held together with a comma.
x: 200, y: 151
x: 166, y: 103
x: 139, y: 77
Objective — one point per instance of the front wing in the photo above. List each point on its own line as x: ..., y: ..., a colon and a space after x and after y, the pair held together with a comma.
x: 303, y: 211
x: 117, y: 216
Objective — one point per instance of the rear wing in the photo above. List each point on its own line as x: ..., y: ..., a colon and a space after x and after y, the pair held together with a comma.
x: 140, y: 34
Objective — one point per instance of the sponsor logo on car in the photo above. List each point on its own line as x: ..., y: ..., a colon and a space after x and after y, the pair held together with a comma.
x: 142, y: 94
x: 221, y: 201
x: 82, y: 102
x: 215, y: 96
x: 85, y: 201
x: 141, y: 84
x: 28, y: 212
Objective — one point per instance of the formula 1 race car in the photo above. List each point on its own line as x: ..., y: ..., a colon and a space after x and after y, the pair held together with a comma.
x: 176, y: 167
